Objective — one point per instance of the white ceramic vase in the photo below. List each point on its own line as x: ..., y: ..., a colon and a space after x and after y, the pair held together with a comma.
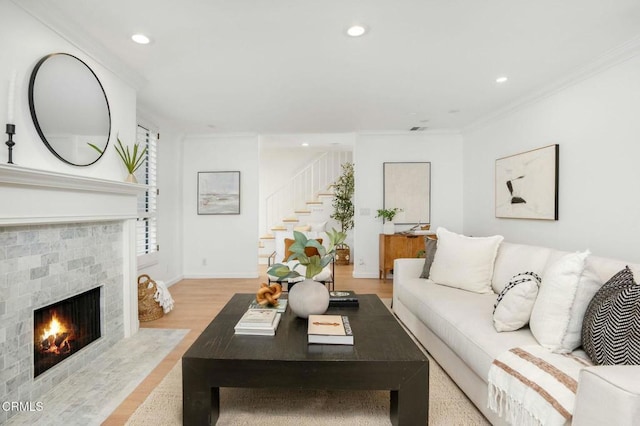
x: 308, y: 297
x: 389, y: 228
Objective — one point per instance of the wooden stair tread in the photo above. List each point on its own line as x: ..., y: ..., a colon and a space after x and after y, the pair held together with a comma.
x: 290, y: 220
x: 268, y: 237
x: 315, y: 202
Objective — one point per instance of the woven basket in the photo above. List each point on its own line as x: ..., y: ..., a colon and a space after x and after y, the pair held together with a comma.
x: 343, y: 256
x: 148, y: 308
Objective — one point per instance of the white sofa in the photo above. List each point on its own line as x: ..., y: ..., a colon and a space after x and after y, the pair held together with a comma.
x: 456, y: 327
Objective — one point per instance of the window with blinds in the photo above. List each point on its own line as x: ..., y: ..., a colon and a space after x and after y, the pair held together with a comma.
x: 147, y: 224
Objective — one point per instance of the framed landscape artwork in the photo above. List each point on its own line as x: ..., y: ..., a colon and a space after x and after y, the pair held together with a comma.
x: 218, y: 192
x: 526, y: 184
x: 407, y: 186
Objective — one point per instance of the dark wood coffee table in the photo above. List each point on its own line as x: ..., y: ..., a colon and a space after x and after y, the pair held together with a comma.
x: 383, y: 357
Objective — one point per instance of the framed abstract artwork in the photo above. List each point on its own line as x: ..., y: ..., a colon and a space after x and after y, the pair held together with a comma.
x: 526, y: 184
x: 218, y: 192
x: 407, y: 186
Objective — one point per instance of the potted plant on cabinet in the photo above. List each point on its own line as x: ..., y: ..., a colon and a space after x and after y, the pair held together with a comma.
x: 343, y: 209
x: 387, y: 216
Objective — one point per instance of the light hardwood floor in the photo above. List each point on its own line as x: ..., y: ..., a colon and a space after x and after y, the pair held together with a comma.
x: 197, y: 302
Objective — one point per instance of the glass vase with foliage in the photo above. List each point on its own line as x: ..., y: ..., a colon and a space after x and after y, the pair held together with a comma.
x: 343, y: 208
x: 313, y: 264
x: 131, y: 160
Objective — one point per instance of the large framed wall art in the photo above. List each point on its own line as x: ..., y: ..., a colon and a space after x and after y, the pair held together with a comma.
x: 526, y: 184
x: 407, y: 186
x: 218, y: 192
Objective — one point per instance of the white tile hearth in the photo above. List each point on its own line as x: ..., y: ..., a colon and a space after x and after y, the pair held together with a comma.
x: 89, y: 395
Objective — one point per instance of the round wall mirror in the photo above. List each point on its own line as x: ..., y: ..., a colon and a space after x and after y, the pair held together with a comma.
x: 69, y: 109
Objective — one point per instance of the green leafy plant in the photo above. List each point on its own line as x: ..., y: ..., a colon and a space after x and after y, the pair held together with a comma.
x: 343, y: 188
x: 314, y: 264
x: 132, y: 161
x: 388, y: 214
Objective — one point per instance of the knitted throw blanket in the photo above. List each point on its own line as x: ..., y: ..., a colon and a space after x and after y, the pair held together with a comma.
x: 533, y: 386
x: 163, y: 297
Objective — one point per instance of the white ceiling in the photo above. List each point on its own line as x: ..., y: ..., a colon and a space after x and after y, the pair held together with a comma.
x: 286, y: 66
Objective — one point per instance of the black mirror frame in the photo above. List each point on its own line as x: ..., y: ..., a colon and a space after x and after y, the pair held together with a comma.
x: 34, y: 117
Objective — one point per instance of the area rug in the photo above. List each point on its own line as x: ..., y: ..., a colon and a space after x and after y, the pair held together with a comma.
x: 447, y: 405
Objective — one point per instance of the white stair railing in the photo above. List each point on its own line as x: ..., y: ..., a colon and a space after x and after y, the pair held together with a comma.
x: 304, y: 185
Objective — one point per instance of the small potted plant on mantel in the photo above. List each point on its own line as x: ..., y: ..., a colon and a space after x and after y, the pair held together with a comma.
x: 132, y: 161
x: 388, y: 228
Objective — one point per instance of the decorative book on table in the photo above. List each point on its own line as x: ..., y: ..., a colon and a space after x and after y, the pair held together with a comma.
x: 330, y: 330
x: 280, y: 307
x: 259, y: 322
x: 343, y: 298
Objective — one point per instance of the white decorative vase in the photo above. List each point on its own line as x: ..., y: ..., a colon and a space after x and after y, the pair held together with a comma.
x: 389, y: 228
x: 308, y: 297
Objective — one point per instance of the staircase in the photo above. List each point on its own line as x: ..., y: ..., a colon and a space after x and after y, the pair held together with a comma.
x: 305, y: 198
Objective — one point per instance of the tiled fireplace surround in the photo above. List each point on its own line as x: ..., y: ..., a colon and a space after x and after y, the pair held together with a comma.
x: 61, y: 235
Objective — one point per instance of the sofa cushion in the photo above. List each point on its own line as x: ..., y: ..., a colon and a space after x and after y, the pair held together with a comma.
x: 515, y: 258
x: 462, y: 320
x: 567, y: 287
x: 430, y: 247
x: 464, y: 262
x: 308, y: 251
x: 611, y: 328
x: 515, y: 303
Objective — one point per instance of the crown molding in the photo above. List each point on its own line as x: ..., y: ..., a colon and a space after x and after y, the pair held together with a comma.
x: 613, y: 57
x: 53, y: 19
x: 429, y: 132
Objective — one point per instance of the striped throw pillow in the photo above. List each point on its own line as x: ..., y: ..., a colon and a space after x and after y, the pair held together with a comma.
x: 611, y: 326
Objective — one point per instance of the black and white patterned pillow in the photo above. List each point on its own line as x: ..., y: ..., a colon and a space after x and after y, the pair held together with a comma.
x: 515, y: 302
x: 611, y: 325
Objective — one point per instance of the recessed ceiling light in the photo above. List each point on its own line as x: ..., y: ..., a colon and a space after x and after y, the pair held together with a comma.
x: 502, y: 79
x: 356, y: 30
x: 305, y: 143
x: 140, y: 38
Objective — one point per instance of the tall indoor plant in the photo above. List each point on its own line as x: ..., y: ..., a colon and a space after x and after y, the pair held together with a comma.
x: 309, y: 296
x: 343, y: 208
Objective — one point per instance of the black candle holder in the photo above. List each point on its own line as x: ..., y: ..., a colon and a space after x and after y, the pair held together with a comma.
x: 11, y: 130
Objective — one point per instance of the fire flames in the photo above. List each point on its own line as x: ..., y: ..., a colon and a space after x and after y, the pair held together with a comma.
x: 56, y: 338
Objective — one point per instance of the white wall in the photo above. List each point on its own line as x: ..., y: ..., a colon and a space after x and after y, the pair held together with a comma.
x: 23, y: 42
x: 227, y: 243
x: 596, y: 123
x: 444, y: 151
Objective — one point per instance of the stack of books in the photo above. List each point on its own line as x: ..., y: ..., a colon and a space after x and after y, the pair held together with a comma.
x: 280, y: 307
x: 330, y: 330
x: 259, y: 322
x: 343, y: 299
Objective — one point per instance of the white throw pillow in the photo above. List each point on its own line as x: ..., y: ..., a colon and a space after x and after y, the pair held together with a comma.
x: 464, y: 262
x: 566, y: 289
x: 515, y: 302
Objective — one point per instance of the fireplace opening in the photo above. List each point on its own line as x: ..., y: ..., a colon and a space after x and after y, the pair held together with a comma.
x: 63, y: 328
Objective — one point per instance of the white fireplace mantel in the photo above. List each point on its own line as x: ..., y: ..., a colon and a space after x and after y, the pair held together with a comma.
x: 30, y: 196
x: 39, y: 197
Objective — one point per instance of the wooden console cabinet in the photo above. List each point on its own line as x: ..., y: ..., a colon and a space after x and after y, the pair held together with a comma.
x: 397, y: 246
